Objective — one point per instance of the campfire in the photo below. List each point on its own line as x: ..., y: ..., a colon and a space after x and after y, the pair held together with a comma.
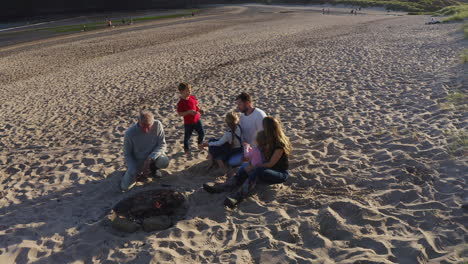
x: 151, y: 210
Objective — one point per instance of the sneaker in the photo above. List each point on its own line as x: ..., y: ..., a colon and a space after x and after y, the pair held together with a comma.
x: 231, y: 202
x: 212, y: 188
x: 227, y: 186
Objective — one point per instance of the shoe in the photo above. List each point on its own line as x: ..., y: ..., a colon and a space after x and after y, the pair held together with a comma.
x: 212, y: 188
x: 232, y: 201
x: 227, y: 186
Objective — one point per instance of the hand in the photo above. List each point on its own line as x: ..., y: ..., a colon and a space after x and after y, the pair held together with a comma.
x: 145, y: 171
x: 247, y: 148
x: 201, y: 146
x: 201, y: 112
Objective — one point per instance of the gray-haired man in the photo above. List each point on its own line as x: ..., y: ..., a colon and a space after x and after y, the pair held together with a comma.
x: 144, y: 149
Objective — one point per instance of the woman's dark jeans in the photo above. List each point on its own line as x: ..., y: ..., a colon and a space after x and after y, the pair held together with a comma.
x: 268, y: 175
x: 249, y: 180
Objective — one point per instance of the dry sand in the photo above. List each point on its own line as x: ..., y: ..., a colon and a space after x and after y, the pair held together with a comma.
x: 362, y: 98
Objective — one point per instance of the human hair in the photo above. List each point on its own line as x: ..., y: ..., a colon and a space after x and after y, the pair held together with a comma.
x: 184, y: 85
x: 261, y: 140
x: 232, y: 120
x: 275, y: 137
x: 145, y: 116
x: 244, y: 97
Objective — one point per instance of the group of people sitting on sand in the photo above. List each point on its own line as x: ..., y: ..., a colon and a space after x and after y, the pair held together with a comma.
x: 254, y: 148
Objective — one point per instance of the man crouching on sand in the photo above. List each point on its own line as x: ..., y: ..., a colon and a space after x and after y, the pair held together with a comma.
x: 144, y: 150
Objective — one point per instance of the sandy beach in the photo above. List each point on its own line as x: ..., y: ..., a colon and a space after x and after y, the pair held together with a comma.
x: 376, y: 172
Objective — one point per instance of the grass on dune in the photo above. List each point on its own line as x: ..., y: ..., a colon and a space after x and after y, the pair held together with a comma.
x: 457, y: 143
x: 414, y: 7
x: 456, y: 98
x: 454, y: 13
x: 464, y: 56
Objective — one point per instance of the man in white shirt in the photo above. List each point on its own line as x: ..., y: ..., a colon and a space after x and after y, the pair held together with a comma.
x: 250, y: 122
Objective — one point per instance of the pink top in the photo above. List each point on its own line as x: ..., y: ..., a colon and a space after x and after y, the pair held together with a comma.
x: 253, y: 154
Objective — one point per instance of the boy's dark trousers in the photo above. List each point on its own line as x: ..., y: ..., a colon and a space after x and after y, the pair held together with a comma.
x: 198, y: 126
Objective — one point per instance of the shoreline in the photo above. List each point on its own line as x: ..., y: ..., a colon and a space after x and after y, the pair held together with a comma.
x: 29, y: 33
x: 74, y: 26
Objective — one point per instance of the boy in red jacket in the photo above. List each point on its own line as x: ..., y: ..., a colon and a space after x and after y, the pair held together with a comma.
x: 188, y: 108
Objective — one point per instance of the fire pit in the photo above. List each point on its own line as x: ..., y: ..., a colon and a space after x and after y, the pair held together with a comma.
x: 150, y: 210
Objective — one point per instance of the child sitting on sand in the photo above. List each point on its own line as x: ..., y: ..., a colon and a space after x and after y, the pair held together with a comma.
x: 275, y: 168
x: 229, y: 144
x: 253, y: 155
x: 188, y: 108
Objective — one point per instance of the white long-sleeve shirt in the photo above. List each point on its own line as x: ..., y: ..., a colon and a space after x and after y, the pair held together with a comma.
x: 251, y: 124
x: 227, y: 138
